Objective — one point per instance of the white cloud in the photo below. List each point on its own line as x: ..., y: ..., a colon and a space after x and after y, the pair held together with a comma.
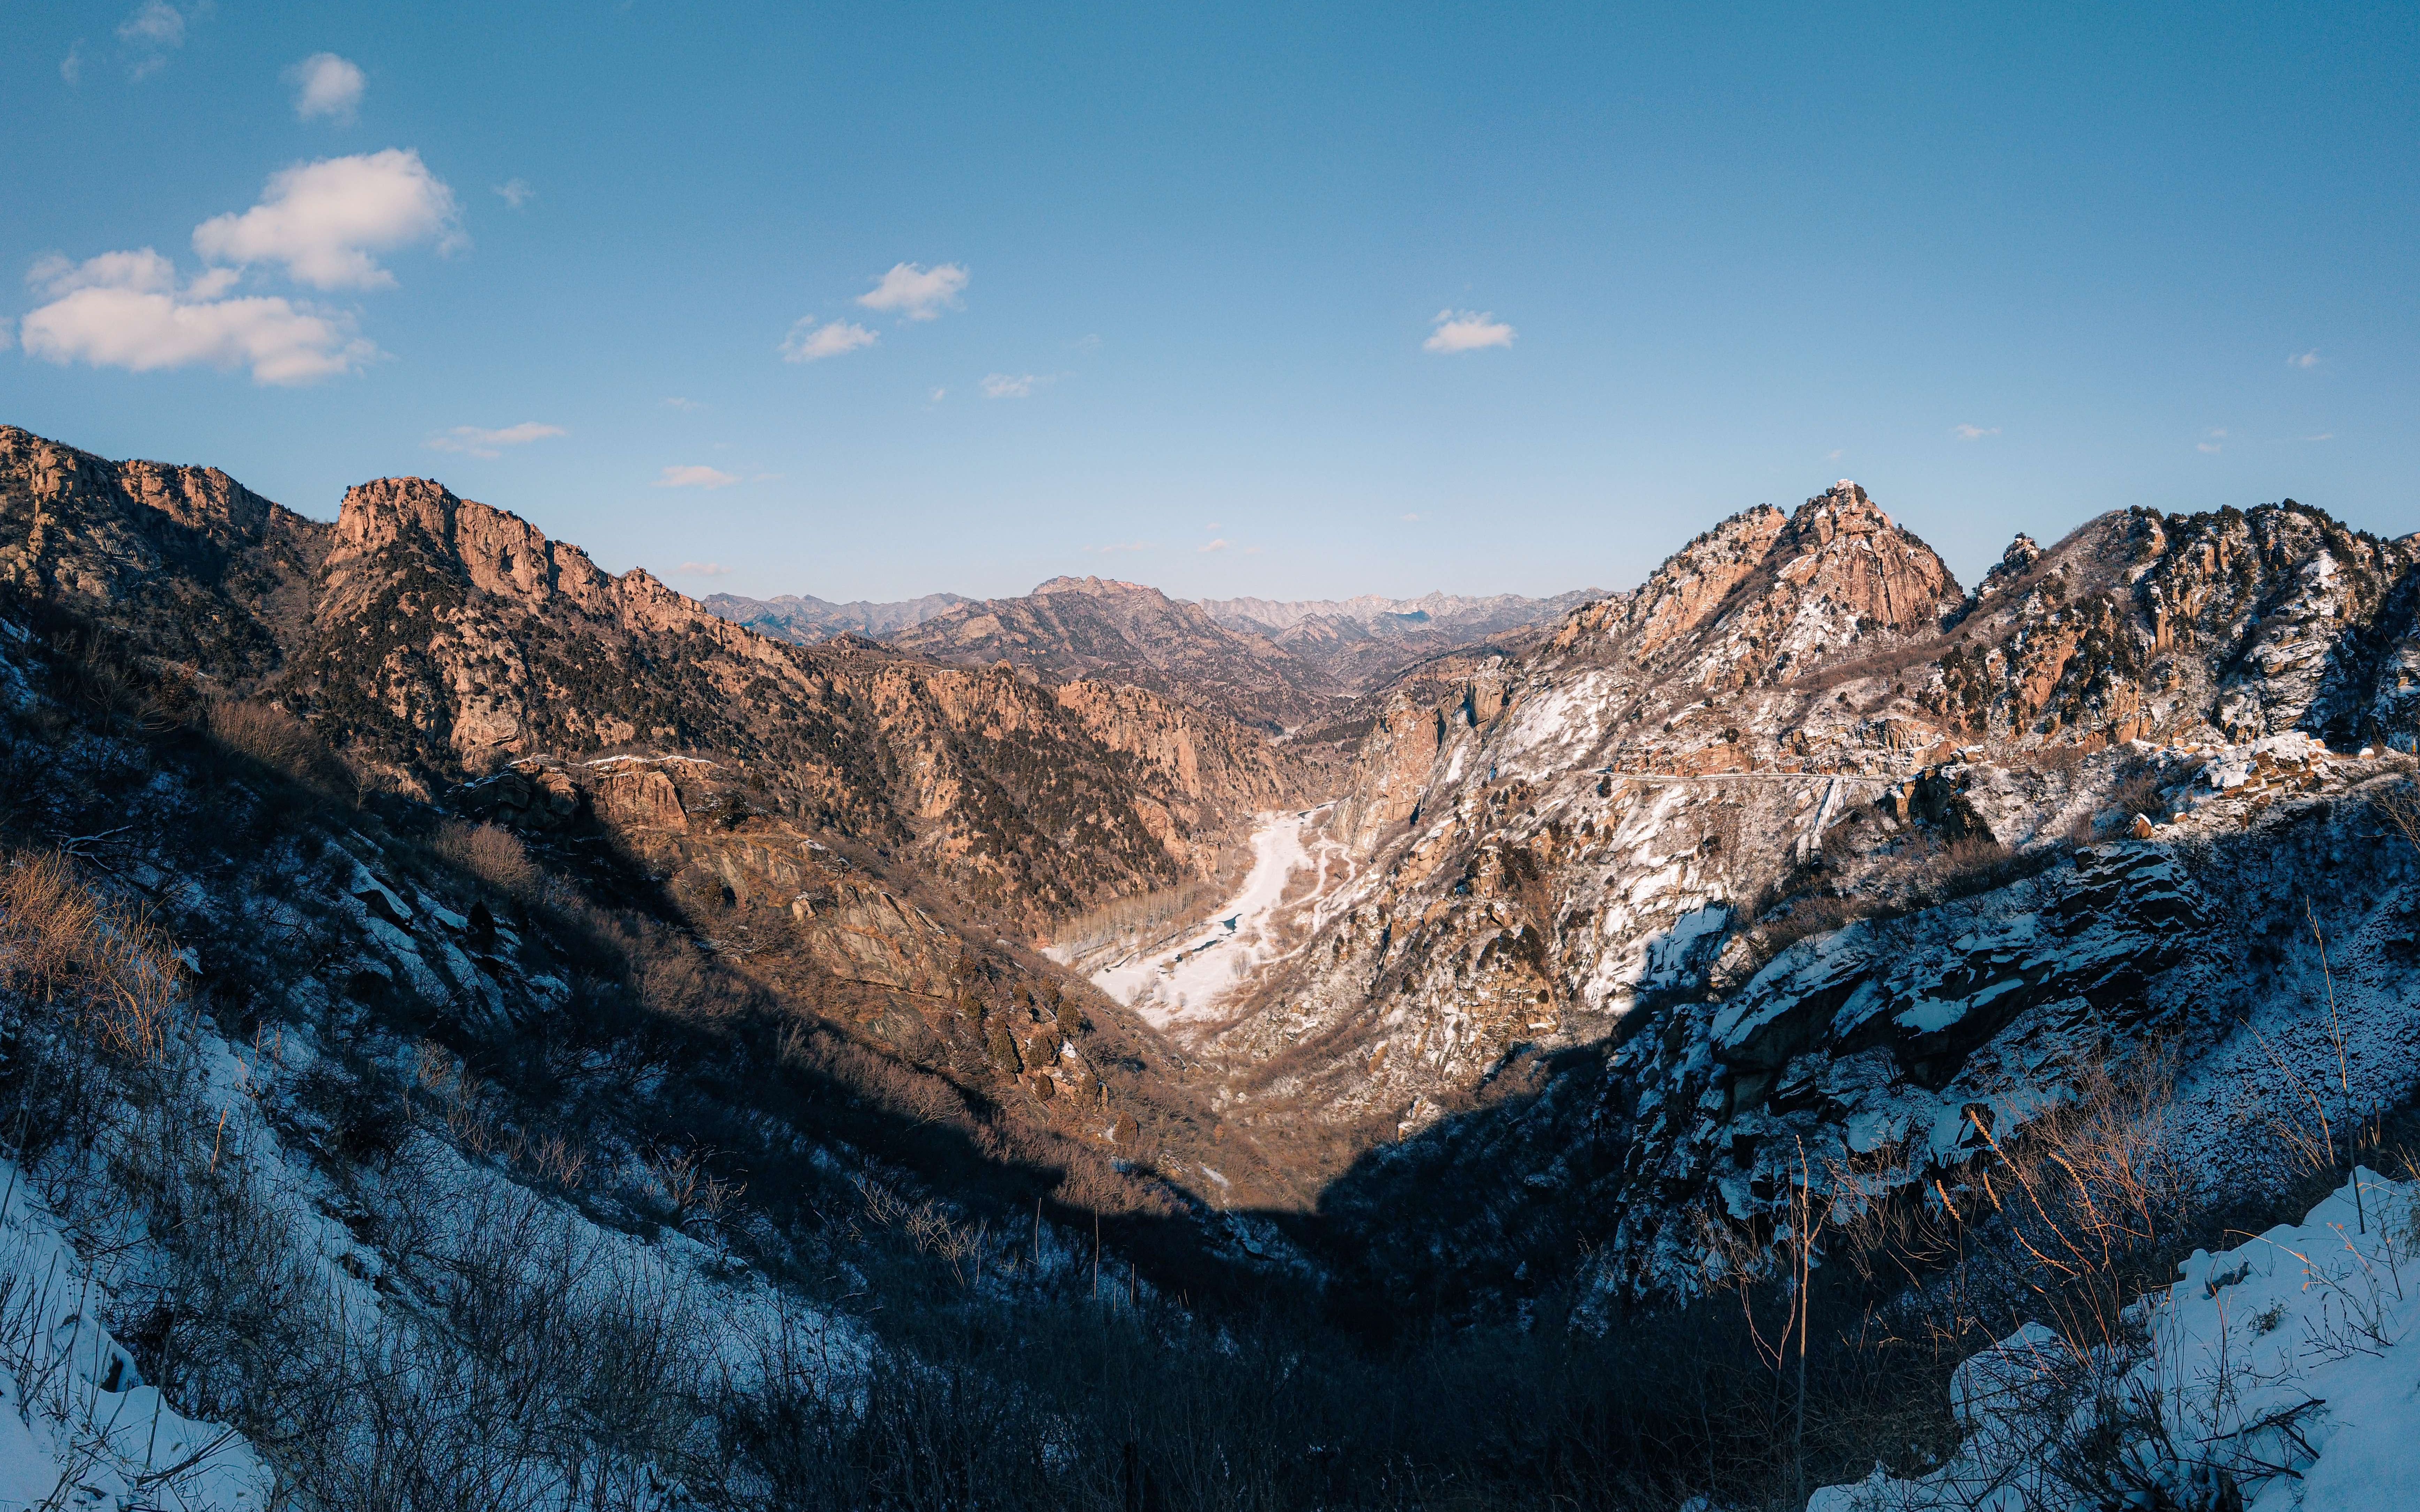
x: 1832, y: 456
x: 1409, y: 518
x: 1221, y: 545
x: 2211, y: 444
x: 702, y: 569
x: 1011, y: 385
x: 1466, y: 331
x: 695, y: 477
x: 2323, y: 436
x: 682, y: 404
x: 2305, y: 360
x: 322, y: 220
x: 1119, y: 546
x: 515, y: 192
x: 123, y: 309
x: 72, y: 65
x: 477, y: 442
x: 940, y: 394
x: 1971, y: 433
x: 325, y: 87
x: 918, y: 293
x: 831, y: 339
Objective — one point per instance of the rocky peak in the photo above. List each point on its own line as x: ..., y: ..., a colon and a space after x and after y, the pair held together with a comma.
x: 2014, y: 563
x: 1097, y: 588
x: 1763, y: 593
x: 491, y: 550
x: 1843, y: 509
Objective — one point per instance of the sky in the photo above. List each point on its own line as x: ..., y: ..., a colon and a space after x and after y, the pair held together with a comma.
x: 874, y: 301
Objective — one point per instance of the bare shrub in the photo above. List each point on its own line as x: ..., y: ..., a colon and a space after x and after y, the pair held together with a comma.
x: 2399, y: 805
x: 492, y: 853
x: 687, y: 1184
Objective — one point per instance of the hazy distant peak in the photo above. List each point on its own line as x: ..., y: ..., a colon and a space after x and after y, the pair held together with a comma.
x: 1492, y: 612
x: 805, y: 619
x: 1097, y: 587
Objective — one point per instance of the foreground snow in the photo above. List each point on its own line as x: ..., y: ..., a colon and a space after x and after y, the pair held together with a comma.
x: 2279, y: 1374
x: 78, y: 1429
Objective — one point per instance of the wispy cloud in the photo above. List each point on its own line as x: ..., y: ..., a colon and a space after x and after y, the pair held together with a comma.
x: 1409, y: 518
x: 940, y: 394
x: 1833, y: 455
x: 473, y: 441
x: 322, y: 220
x: 2323, y: 436
x: 915, y: 292
x: 515, y: 192
x: 1011, y: 385
x: 695, y: 477
x: 681, y: 404
x: 1220, y: 545
x: 72, y: 65
x: 152, y: 31
x: 326, y: 88
x: 1466, y: 331
x: 810, y: 343
x: 2215, y: 443
x: 1967, y: 433
x: 1119, y: 546
x: 2305, y: 360
x: 702, y: 569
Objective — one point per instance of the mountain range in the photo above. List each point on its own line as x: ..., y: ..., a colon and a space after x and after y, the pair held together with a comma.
x: 1278, y: 983
x: 1278, y: 664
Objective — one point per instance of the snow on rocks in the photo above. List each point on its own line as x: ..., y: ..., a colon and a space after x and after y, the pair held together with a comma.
x: 2275, y: 1375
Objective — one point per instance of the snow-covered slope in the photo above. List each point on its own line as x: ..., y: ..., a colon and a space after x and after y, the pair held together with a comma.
x: 2277, y: 1375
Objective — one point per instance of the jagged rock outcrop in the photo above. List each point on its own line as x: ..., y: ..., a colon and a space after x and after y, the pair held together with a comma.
x: 2228, y: 626
x: 191, y: 564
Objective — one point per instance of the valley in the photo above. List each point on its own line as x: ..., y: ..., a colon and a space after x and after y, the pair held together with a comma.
x: 872, y: 986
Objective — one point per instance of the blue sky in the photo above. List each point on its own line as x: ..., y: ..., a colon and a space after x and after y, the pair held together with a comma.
x: 1384, y: 300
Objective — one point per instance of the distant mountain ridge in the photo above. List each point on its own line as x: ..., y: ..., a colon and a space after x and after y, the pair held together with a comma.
x: 804, y: 619
x: 1095, y: 627
x: 1484, y: 615
x: 1277, y: 663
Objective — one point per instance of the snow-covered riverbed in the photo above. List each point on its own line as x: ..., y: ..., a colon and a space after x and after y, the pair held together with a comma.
x: 1295, y: 866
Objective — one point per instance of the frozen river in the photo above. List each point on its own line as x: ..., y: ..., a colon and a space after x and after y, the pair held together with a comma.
x: 1296, y: 868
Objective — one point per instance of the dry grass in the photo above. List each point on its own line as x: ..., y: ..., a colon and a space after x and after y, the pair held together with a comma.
x: 62, y: 942
x: 279, y: 741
